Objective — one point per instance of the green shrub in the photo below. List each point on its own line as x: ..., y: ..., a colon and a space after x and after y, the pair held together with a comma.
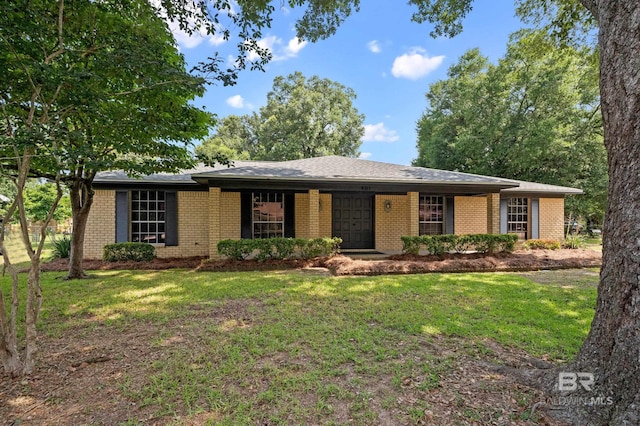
x: 411, y: 245
x: 315, y: 247
x: 538, y: 244
x: 279, y: 248
x: 234, y: 250
x: 137, y: 252
x: 573, y: 241
x: 441, y: 244
x: 61, y: 247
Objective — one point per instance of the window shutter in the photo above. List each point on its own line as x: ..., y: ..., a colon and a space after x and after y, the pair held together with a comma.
x: 122, y: 216
x: 246, y: 209
x: 503, y: 215
x: 171, y: 219
x: 535, y: 218
x: 450, y: 215
x: 289, y: 215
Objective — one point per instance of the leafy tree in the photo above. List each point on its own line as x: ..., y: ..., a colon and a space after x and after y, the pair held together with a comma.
x: 38, y: 199
x: 88, y: 86
x: 534, y: 116
x: 122, y: 103
x: 226, y: 143
x: 612, y: 348
x: 302, y: 119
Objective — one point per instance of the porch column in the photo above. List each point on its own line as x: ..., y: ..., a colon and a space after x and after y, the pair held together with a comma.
x: 493, y: 213
x: 414, y: 219
x: 314, y: 213
x: 214, y: 221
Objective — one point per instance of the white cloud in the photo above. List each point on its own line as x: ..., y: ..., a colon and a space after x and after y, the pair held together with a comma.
x: 365, y: 155
x: 278, y: 49
x: 374, y: 46
x: 294, y: 46
x: 379, y: 133
x: 236, y: 101
x: 415, y: 64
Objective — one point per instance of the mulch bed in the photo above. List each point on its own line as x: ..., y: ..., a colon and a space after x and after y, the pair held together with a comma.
x: 522, y: 260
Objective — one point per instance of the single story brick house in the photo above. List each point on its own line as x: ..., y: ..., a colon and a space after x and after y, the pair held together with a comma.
x: 368, y: 204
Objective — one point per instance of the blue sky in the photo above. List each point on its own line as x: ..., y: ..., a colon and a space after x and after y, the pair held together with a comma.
x: 385, y: 58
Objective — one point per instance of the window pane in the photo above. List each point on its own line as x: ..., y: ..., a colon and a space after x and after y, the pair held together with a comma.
x: 431, y: 214
x: 147, y: 216
x: 268, y: 214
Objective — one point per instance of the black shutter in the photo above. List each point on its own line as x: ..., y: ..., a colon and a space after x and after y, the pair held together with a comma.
x: 171, y: 219
x: 122, y: 216
x: 289, y: 215
x: 246, y: 209
x: 450, y: 215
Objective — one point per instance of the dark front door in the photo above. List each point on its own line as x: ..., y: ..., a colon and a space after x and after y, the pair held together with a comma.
x: 353, y: 220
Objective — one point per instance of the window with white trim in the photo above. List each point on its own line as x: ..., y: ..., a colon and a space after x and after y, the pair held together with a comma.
x: 518, y: 216
x: 148, y: 215
x: 431, y: 215
x: 268, y: 214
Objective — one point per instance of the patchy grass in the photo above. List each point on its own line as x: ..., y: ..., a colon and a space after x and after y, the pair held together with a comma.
x: 293, y: 348
x: 18, y: 255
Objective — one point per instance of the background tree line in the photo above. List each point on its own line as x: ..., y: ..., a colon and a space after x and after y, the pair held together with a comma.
x: 534, y: 116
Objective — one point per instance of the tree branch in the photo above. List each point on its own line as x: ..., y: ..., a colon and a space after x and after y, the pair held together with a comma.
x: 60, y: 50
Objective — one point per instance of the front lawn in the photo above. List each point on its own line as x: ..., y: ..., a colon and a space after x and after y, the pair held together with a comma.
x: 182, y: 347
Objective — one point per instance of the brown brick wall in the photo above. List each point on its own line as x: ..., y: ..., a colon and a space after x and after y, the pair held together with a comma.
x: 101, y: 225
x: 393, y: 224
x: 470, y: 215
x: 325, y: 215
x: 414, y: 217
x: 214, y: 221
x: 493, y: 213
x: 314, y: 213
x: 552, y: 218
x: 302, y: 215
x: 193, y: 226
x: 230, y: 225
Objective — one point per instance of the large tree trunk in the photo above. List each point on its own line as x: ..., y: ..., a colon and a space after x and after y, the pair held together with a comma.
x: 612, y: 349
x: 81, y: 195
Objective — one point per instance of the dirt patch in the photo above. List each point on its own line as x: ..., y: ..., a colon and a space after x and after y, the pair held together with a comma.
x: 522, y: 260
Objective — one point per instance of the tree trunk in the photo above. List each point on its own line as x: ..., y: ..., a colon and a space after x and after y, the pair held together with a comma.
x: 8, y: 338
x: 81, y: 196
x: 611, y: 352
x: 34, y: 303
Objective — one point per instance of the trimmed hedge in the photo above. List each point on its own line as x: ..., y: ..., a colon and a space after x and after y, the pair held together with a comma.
x: 279, y: 248
x: 538, y: 244
x: 137, y: 252
x: 441, y: 244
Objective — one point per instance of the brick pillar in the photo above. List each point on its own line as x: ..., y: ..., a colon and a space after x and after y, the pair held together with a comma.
x: 493, y: 213
x: 314, y: 213
x: 214, y: 222
x: 414, y: 219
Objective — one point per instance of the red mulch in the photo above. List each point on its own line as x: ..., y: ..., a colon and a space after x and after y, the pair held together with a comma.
x: 522, y: 260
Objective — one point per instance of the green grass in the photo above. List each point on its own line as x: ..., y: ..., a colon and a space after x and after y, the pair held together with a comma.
x: 18, y: 255
x: 303, y: 346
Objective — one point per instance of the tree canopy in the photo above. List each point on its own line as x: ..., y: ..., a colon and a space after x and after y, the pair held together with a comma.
x: 303, y: 118
x: 533, y: 116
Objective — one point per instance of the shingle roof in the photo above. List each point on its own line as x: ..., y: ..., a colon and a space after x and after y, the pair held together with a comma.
x: 534, y: 187
x: 345, y: 168
x: 185, y: 176
x: 333, y: 168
